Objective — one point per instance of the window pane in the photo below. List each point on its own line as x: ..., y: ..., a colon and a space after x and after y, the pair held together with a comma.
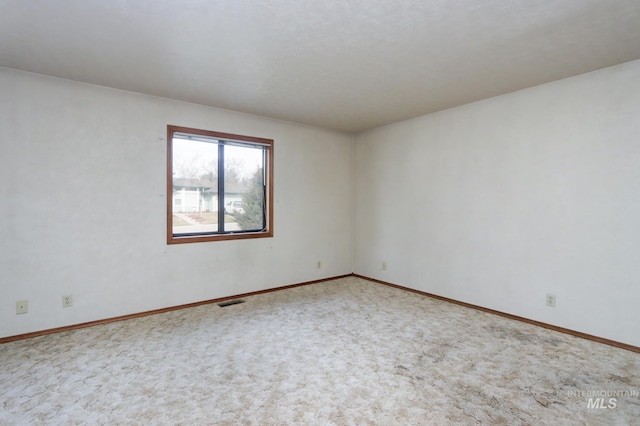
x: 195, y: 186
x: 244, y: 188
x: 219, y: 186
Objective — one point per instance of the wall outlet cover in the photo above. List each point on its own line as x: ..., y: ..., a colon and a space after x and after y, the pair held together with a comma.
x: 551, y: 300
x: 22, y: 307
x: 67, y: 301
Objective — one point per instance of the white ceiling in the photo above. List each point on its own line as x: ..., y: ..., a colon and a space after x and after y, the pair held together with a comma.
x: 348, y: 65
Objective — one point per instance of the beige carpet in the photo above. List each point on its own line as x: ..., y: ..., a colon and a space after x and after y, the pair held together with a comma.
x: 344, y: 352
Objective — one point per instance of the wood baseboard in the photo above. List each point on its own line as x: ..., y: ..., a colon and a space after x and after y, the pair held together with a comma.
x: 510, y: 316
x: 155, y: 311
x: 621, y: 345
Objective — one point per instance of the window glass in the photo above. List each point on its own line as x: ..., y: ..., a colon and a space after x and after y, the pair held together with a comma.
x: 219, y: 186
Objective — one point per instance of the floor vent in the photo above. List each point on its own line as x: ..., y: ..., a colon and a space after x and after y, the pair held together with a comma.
x: 231, y: 302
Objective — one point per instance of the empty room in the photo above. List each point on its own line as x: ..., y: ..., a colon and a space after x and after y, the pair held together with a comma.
x: 274, y: 212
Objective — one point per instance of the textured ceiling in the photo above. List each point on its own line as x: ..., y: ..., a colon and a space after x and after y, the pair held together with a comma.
x: 348, y: 65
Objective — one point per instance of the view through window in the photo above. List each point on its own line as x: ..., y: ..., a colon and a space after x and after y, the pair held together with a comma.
x: 219, y: 186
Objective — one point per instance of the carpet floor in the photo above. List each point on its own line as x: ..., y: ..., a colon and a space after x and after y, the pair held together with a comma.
x: 342, y: 352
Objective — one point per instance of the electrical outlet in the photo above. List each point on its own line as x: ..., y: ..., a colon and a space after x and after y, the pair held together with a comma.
x: 67, y: 301
x: 22, y: 306
x: 551, y: 300
x: 319, y: 264
x: 384, y: 266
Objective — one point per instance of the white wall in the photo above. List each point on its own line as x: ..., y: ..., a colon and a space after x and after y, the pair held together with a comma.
x: 495, y: 203
x: 499, y: 202
x: 82, y: 210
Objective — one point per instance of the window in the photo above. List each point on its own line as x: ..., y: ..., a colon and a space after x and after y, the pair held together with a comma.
x: 219, y: 186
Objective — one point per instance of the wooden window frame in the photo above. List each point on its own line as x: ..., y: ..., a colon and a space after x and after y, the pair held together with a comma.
x: 235, y: 235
